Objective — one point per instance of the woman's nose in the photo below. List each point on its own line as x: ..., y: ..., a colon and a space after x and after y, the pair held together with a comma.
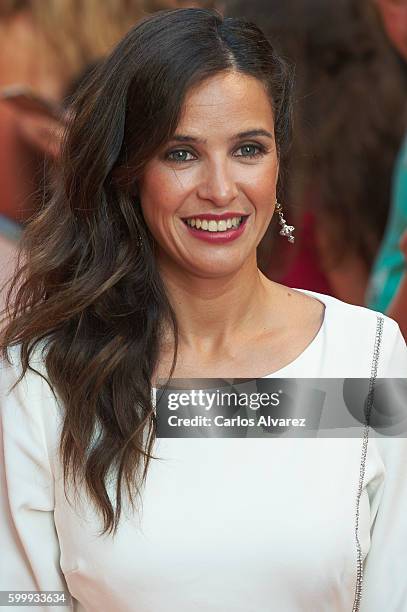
x: 218, y: 185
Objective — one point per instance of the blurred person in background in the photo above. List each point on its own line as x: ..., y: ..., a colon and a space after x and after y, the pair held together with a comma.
x: 44, y: 45
x: 47, y: 49
x: 398, y: 306
x: 387, y: 291
x: 349, y: 124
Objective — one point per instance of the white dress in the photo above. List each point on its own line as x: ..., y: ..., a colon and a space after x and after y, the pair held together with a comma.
x: 226, y: 525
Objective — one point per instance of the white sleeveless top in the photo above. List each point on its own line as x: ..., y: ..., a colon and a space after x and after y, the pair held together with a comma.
x: 226, y: 525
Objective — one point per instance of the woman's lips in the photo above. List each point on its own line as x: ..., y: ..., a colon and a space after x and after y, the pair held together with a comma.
x: 217, y: 237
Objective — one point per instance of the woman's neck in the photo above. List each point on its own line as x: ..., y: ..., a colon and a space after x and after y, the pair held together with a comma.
x: 213, y: 312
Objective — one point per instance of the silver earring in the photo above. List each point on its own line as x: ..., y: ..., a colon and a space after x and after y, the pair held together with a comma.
x: 286, y: 230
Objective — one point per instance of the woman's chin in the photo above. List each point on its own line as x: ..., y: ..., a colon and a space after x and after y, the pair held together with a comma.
x: 216, y: 270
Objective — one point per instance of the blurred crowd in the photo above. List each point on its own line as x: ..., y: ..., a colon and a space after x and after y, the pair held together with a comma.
x: 344, y: 184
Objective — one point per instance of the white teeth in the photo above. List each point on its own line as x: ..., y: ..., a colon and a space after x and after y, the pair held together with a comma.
x: 215, y: 226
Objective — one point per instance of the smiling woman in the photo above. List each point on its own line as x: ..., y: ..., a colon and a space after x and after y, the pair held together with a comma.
x: 214, y: 181
x: 143, y: 267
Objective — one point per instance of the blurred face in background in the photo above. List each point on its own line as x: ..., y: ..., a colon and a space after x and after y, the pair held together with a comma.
x: 394, y: 17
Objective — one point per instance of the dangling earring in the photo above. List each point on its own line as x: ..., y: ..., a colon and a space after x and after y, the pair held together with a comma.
x: 286, y: 230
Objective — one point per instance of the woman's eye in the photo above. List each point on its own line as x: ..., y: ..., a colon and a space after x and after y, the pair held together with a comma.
x: 180, y: 155
x: 250, y: 150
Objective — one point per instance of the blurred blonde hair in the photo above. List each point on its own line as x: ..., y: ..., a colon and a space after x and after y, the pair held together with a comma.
x: 75, y: 32
x: 81, y: 31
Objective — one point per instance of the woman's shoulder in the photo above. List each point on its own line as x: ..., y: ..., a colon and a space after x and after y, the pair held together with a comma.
x: 27, y: 402
x: 29, y: 437
x: 12, y: 368
x: 342, y: 312
x: 356, y: 333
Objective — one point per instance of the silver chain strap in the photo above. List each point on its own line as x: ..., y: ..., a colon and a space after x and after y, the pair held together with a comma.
x: 370, y: 398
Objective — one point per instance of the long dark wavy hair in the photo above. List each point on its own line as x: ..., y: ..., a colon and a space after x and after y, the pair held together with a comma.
x: 86, y: 287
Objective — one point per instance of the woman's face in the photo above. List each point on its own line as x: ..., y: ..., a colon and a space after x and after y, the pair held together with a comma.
x: 209, y: 194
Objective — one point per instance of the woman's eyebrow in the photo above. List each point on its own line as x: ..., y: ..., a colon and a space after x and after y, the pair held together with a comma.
x: 185, y: 138
x: 252, y: 133
x: 245, y: 134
